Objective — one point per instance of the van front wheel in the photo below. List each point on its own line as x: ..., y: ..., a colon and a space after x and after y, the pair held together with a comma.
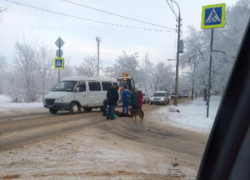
x: 53, y: 110
x: 74, y: 108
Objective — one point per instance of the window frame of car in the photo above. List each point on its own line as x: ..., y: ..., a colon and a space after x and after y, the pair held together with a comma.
x: 89, y: 86
x: 106, y: 82
x: 80, y: 83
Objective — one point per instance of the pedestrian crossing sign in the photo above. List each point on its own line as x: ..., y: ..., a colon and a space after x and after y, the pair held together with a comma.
x: 213, y: 16
x: 58, y: 63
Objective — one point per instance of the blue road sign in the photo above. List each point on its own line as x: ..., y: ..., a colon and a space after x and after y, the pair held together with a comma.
x: 59, y: 63
x: 213, y: 16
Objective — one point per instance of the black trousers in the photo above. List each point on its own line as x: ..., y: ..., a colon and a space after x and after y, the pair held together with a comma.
x: 134, y: 107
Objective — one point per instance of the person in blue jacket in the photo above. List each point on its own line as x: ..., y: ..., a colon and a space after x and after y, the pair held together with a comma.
x: 125, y: 99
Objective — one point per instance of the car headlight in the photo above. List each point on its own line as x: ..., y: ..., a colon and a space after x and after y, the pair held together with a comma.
x: 162, y: 99
x: 60, y: 99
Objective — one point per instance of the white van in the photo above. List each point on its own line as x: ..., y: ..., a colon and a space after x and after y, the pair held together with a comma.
x: 75, y: 92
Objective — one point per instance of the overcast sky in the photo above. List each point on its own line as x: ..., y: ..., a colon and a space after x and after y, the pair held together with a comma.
x: 79, y: 35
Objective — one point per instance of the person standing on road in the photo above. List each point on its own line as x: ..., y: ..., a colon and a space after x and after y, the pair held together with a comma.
x: 125, y: 99
x: 105, y: 105
x: 133, y: 99
x: 139, y: 99
x: 113, y: 97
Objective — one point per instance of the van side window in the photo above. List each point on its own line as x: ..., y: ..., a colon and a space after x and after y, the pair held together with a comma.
x: 94, y: 86
x: 106, y: 86
x: 82, y: 87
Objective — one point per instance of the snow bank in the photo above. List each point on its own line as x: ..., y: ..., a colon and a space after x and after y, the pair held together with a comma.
x: 4, y: 99
x: 192, y: 115
x: 6, y: 102
x: 22, y: 105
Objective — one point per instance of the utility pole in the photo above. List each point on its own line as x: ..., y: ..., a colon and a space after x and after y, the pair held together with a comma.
x: 98, y: 40
x: 192, y: 97
x: 145, y: 87
x: 177, y: 57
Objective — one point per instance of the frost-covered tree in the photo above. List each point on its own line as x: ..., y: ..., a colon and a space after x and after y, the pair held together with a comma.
x: 144, y: 75
x: 226, y: 44
x: 44, y: 69
x: 88, y: 67
x: 30, y: 75
x: 196, y: 58
x: 68, y: 69
x: 163, y: 77
x: 184, y: 85
x: 2, y: 70
x: 26, y: 62
x: 124, y: 63
x: 148, y: 77
x: 109, y: 72
x: 12, y: 83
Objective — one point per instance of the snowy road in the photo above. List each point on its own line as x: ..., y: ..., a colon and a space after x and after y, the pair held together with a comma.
x: 18, y: 130
x: 159, y: 145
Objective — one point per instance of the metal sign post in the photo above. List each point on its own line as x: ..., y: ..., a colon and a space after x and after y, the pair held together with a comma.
x: 213, y: 16
x: 210, y: 67
x: 59, y: 53
x: 227, y: 152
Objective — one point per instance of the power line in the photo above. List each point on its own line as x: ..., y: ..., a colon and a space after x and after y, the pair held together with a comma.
x: 77, y: 17
x: 171, y: 8
x: 116, y: 14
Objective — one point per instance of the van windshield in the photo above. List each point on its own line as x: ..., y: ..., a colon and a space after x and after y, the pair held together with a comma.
x: 65, y: 86
x: 127, y: 82
x: 159, y: 94
x: 122, y: 83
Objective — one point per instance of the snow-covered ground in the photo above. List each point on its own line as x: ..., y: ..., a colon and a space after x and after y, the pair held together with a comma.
x: 5, y: 99
x: 7, y: 106
x: 192, y: 115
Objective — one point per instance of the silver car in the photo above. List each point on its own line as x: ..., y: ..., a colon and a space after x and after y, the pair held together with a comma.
x: 145, y: 98
x: 159, y: 97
